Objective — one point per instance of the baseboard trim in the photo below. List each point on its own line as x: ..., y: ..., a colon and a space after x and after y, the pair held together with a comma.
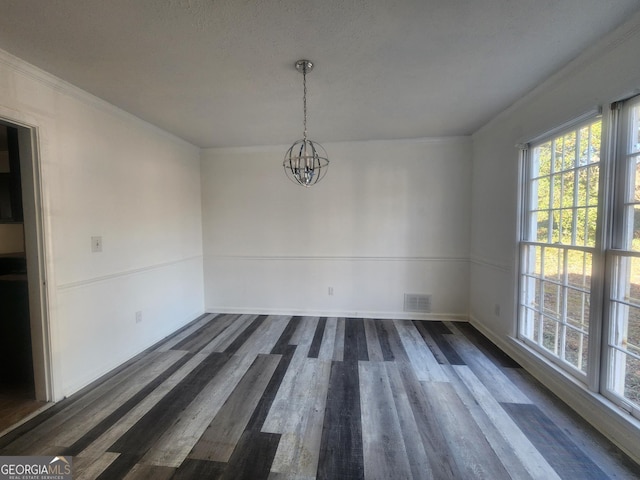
x: 449, y: 317
x: 610, y: 420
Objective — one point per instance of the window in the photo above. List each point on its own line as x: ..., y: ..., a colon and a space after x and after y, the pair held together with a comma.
x: 623, y: 346
x: 579, y: 275
x: 559, y: 244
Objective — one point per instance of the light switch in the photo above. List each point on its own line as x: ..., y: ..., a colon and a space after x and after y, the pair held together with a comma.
x: 96, y: 244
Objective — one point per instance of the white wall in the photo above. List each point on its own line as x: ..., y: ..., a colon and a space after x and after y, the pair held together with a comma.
x: 106, y: 173
x: 605, y: 73
x: 389, y: 218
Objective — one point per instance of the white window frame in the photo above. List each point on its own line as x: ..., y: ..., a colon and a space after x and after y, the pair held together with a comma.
x: 618, y: 256
x: 591, y: 378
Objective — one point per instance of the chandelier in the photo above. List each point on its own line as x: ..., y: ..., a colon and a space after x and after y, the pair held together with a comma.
x: 306, y: 162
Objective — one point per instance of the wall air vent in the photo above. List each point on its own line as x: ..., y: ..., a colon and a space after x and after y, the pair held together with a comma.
x: 417, y: 303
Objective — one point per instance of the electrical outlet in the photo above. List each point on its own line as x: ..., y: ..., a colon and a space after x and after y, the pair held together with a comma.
x: 330, y: 291
x: 138, y: 317
x: 96, y: 244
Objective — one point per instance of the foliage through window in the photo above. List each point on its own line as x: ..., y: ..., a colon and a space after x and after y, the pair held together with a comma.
x: 559, y: 240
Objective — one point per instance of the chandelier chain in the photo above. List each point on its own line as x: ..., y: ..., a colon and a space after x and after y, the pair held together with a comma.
x: 304, y: 98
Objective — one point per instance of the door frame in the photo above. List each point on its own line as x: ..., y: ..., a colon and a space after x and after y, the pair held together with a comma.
x: 34, y: 237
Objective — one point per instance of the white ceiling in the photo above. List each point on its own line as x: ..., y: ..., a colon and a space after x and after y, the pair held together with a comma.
x: 220, y: 72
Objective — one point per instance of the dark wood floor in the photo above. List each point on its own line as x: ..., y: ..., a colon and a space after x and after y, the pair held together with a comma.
x: 16, y: 403
x: 257, y: 397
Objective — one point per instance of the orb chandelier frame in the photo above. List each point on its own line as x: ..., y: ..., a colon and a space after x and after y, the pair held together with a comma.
x: 306, y: 161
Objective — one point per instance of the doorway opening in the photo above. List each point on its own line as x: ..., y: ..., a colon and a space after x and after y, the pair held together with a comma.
x: 24, y: 342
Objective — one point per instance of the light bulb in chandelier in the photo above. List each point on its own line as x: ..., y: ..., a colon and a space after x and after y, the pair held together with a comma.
x: 306, y: 162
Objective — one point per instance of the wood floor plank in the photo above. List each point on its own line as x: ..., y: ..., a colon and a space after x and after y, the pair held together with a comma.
x: 328, y: 340
x: 263, y: 408
x: 252, y: 458
x: 390, y: 342
x: 123, y: 409
x: 178, y: 337
x: 437, y: 341
x: 283, y: 342
x: 199, y: 469
x: 473, y: 455
x: 566, y: 458
x: 439, y: 452
x: 341, y: 444
x: 314, y: 349
x: 520, y: 458
x: 485, y: 345
x: 373, y: 344
x: 76, y: 425
x: 119, y: 468
x: 229, y: 335
x: 503, y: 390
x: 293, y: 396
x: 287, y: 476
x: 338, y: 348
x: 413, y: 445
x: 221, y: 436
x: 179, y: 438
x: 440, y: 357
x: 301, y: 431
x: 59, y: 416
x: 84, y: 469
x: 100, y: 445
x: 424, y: 363
x: 201, y: 337
x: 355, y: 341
x: 303, y: 336
x: 145, y: 433
x: 384, y: 451
x: 245, y: 335
x: 265, y: 337
x: 149, y: 472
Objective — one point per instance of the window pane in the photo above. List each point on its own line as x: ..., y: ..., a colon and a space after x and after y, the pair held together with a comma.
x: 550, y: 335
x: 542, y: 160
x: 584, y: 151
x: 552, y: 300
x: 567, y: 189
x: 579, y: 266
x: 634, y: 137
x: 542, y: 187
x: 575, y: 349
x: 595, y: 132
x: 591, y: 218
x: 633, y: 331
x: 557, y: 155
x: 593, y: 180
x: 578, y: 309
x: 569, y: 154
x: 542, y: 222
x: 566, y: 227
x: 632, y: 380
x: 556, y: 182
x: 536, y: 253
x: 583, y: 191
x: 553, y: 263
x: 631, y: 268
x: 634, y: 241
x: 635, y: 194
